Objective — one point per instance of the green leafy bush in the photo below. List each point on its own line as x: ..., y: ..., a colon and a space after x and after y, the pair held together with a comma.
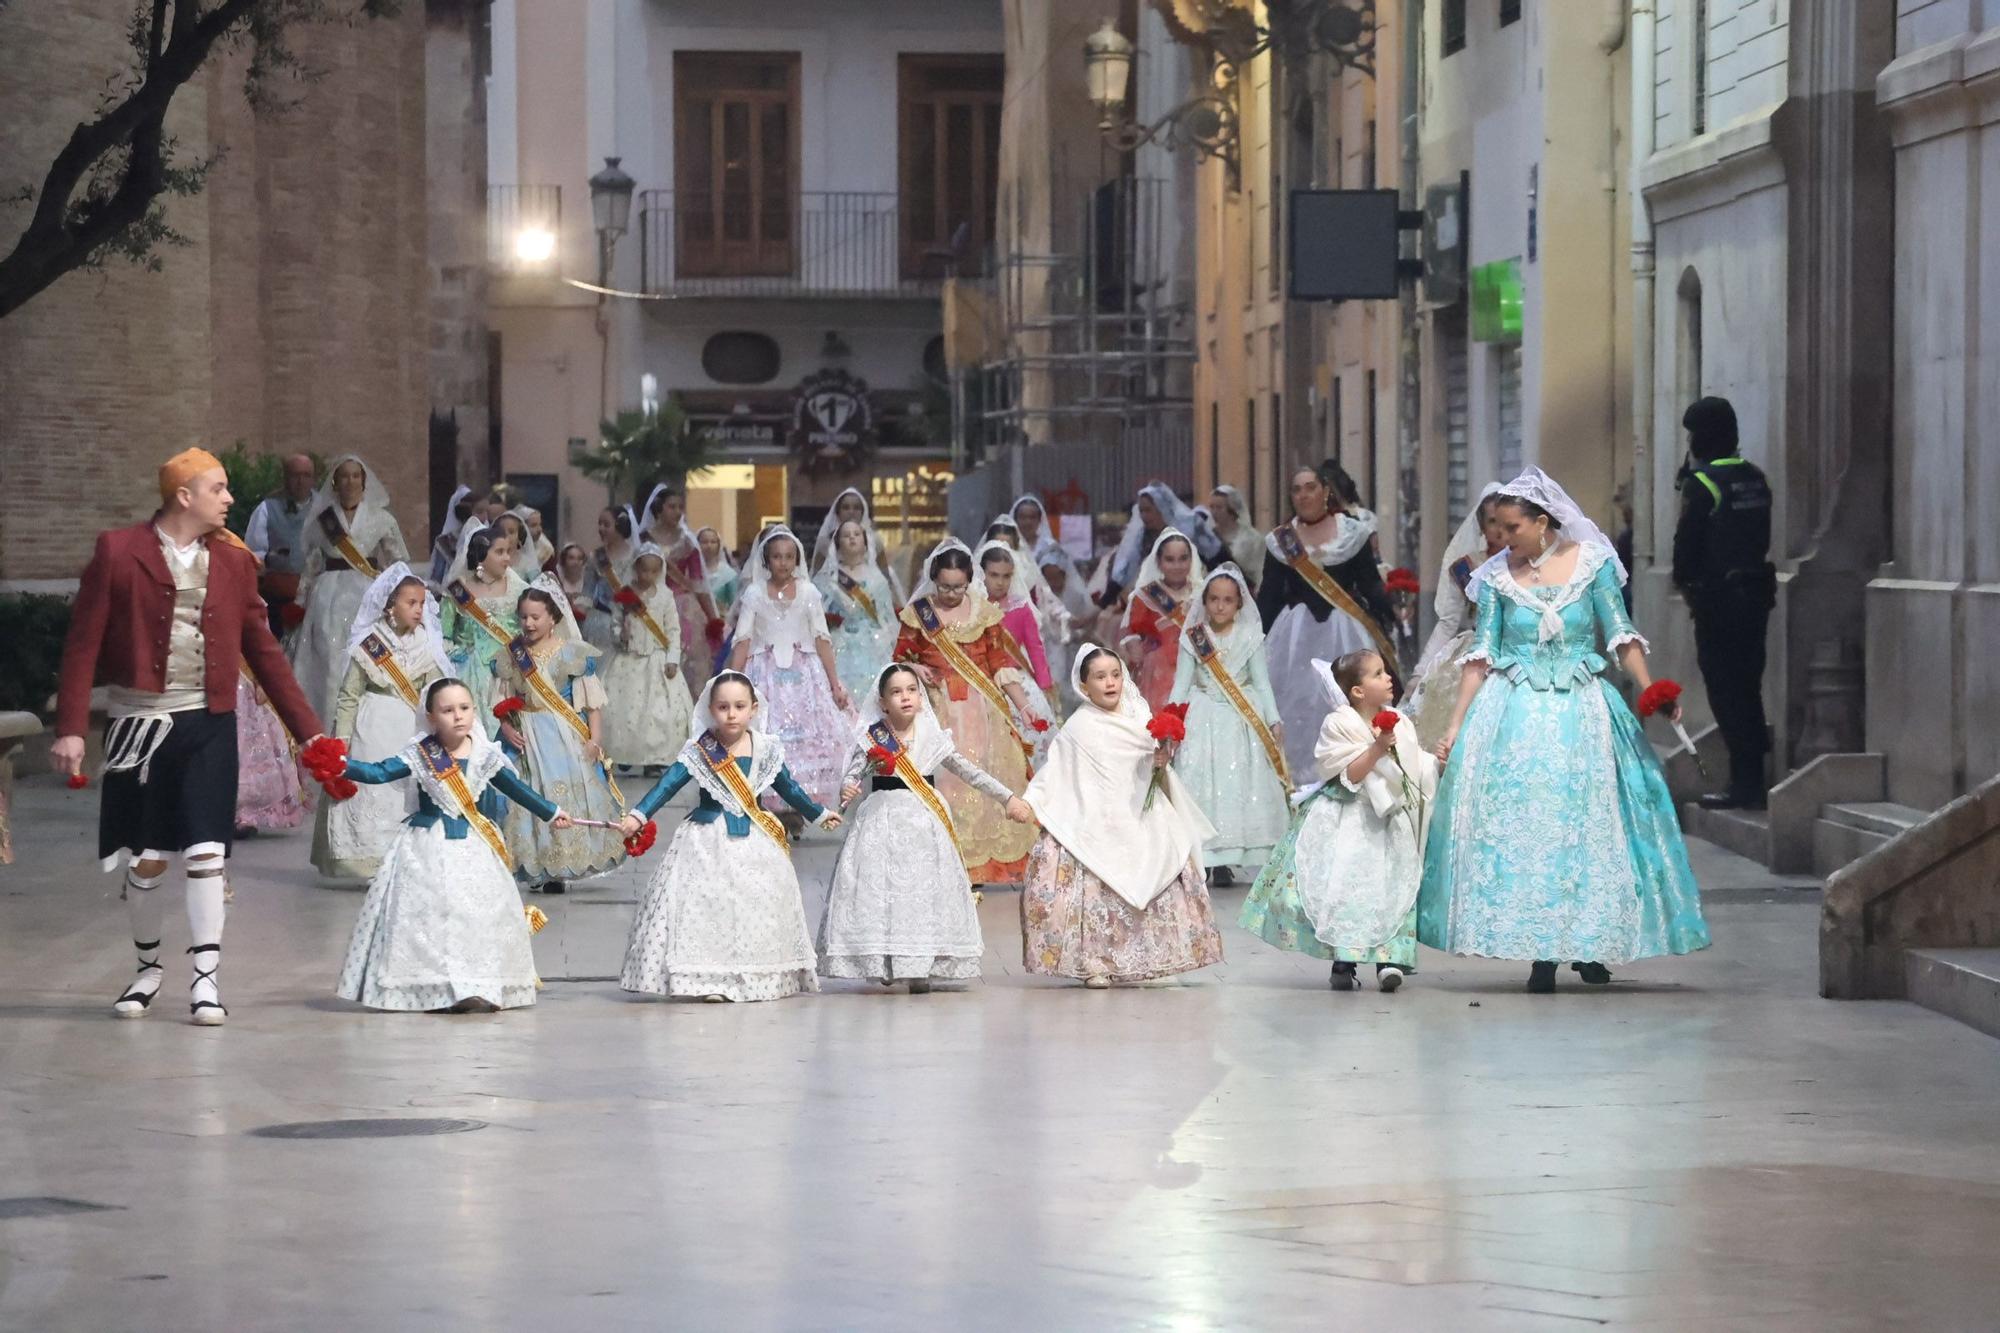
x: 31, y: 649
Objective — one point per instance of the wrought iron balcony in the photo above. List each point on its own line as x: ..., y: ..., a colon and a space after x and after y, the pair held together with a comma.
x: 818, y: 243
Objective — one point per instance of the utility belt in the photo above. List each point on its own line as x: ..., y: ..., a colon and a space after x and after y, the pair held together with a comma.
x: 1756, y: 581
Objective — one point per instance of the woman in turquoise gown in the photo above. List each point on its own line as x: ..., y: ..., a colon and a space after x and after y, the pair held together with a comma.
x: 1554, y: 837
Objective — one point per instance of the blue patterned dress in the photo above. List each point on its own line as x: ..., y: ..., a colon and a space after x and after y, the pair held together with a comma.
x: 1554, y: 836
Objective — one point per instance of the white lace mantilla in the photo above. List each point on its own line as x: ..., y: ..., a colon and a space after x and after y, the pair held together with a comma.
x: 767, y: 756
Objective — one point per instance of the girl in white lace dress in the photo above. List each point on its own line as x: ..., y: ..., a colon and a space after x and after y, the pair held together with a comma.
x: 901, y: 907
x: 442, y: 925
x: 722, y: 918
x: 646, y: 715
x: 348, y: 518
x: 784, y: 646
x: 394, y: 652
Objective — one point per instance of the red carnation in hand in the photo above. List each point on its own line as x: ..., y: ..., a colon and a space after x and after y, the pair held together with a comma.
x: 1659, y: 697
x: 506, y: 708
x: 324, y: 758
x: 1040, y: 724
x: 715, y: 628
x: 340, y: 789
x: 884, y: 761
x: 77, y: 782
x: 291, y: 615
x: 638, y: 844
x: 627, y: 598
x: 1387, y: 719
x: 834, y: 620
x: 1168, y: 725
x: 1403, y: 580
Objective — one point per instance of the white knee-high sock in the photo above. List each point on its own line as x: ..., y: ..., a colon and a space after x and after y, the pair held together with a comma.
x: 147, y: 913
x: 206, y: 885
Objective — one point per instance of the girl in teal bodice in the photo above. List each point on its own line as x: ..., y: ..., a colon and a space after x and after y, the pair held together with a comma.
x: 1554, y: 837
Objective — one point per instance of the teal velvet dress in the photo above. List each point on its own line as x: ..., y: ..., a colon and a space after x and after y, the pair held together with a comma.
x: 1554, y: 836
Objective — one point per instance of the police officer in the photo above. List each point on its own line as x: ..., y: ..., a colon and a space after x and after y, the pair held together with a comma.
x: 1722, y: 566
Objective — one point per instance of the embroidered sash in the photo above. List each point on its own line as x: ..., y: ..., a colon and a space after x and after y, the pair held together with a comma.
x: 336, y: 534
x: 1294, y: 553
x: 955, y: 655
x: 717, y: 756
x: 452, y: 778
x: 462, y: 597
x: 545, y: 689
x: 1161, y: 599
x: 905, y: 769
x: 1209, y: 653
x: 384, y: 657
x: 609, y: 574
x: 652, y: 625
x: 851, y: 587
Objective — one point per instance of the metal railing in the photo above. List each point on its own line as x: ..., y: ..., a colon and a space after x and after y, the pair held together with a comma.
x: 524, y: 227
x: 831, y: 243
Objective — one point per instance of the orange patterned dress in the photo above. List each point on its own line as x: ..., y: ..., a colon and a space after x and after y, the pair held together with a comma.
x: 995, y: 851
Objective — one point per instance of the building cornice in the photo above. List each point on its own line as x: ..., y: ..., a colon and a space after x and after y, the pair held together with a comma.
x: 1941, y: 89
x: 1741, y: 158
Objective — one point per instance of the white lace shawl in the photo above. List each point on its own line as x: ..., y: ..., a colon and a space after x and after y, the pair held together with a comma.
x: 486, y: 759
x: 767, y: 756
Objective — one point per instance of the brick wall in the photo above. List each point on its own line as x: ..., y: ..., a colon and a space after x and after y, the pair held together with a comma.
x: 297, y: 318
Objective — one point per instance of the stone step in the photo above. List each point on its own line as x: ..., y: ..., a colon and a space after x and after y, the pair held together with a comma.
x: 1959, y: 983
x: 1884, y: 817
x: 1836, y: 845
x: 1744, y: 832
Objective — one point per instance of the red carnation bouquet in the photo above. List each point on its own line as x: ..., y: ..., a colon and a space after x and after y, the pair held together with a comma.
x: 1663, y: 696
x: 628, y: 599
x: 1039, y: 723
x: 834, y: 620
x: 326, y: 760
x: 884, y: 762
x: 1403, y: 580
x: 1169, y: 724
x: 638, y: 844
x: 1387, y: 719
x: 508, y: 707
x: 77, y: 781
x: 715, y: 628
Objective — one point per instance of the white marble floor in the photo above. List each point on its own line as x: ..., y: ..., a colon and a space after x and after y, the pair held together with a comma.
x: 1704, y: 1144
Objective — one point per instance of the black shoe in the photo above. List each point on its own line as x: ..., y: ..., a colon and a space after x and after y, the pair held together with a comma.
x: 1542, y: 978
x: 555, y: 886
x: 1343, y: 977
x: 1593, y: 974
x: 1221, y: 877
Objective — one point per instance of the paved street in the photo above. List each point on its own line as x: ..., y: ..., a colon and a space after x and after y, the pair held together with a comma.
x: 1706, y: 1144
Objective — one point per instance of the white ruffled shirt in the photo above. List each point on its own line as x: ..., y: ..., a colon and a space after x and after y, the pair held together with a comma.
x: 787, y: 627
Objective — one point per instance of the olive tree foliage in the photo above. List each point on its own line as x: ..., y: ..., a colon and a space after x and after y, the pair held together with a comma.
x: 103, y: 196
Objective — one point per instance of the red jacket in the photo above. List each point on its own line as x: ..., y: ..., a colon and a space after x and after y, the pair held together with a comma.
x: 124, y: 612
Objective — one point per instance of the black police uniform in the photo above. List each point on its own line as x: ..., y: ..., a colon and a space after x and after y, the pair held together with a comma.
x: 1722, y: 566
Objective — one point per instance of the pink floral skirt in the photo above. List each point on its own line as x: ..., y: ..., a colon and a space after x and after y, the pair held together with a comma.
x: 1073, y: 925
x: 795, y: 704
x: 268, y: 795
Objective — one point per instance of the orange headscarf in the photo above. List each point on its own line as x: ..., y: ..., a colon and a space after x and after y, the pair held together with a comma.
x: 183, y: 468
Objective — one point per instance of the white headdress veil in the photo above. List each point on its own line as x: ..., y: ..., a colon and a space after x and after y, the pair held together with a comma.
x: 566, y: 628
x: 926, y: 585
x: 1539, y: 488
x: 527, y: 560
x: 1175, y: 512
x: 1247, y: 623
x: 452, y: 522
x: 460, y: 566
x: 373, y: 495
x: 766, y: 755
x: 723, y: 557
x: 1020, y: 587
x: 642, y: 526
x: 930, y: 744
x: 1149, y: 571
x: 1237, y: 505
x: 1469, y: 541
x: 374, y: 610
x: 822, y: 551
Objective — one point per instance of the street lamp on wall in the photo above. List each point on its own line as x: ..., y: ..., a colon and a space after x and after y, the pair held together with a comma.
x: 611, y: 211
x: 1206, y: 122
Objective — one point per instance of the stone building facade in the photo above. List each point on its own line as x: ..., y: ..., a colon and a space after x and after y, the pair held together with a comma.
x: 298, y: 316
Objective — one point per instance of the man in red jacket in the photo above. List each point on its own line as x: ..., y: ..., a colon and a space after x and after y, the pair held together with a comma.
x: 166, y: 615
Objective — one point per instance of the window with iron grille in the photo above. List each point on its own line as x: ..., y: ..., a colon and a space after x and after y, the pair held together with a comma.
x: 1510, y: 12
x: 1453, y: 19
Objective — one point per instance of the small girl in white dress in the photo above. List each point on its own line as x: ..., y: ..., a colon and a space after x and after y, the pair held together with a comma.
x: 901, y: 906
x: 442, y: 927
x: 784, y: 646
x: 1343, y: 884
x: 722, y: 918
x: 647, y: 708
